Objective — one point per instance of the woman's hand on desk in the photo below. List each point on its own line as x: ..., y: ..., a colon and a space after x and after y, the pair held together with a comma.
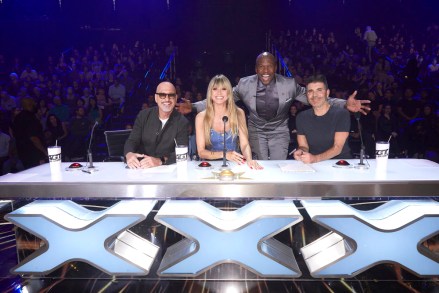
x: 240, y: 159
x: 233, y: 156
x: 254, y: 165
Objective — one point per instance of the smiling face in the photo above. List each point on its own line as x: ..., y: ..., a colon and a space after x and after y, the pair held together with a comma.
x: 165, y: 98
x: 317, y: 94
x: 219, y: 93
x: 265, y: 67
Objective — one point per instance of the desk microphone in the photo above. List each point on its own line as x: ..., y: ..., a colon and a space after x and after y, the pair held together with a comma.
x: 90, y: 168
x: 360, y: 165
x: 225, y: 119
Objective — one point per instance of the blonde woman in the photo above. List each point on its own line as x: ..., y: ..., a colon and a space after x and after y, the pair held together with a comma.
x: 210, y: 126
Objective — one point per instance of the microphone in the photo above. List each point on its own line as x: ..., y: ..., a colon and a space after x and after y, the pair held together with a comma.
x: 225, y: 119
x: 90, y: 167
x: 360, y: 165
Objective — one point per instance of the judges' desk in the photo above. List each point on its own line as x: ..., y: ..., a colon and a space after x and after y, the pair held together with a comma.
x: 173, y: 223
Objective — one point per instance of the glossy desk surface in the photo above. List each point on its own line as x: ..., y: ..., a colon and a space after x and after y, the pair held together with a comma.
x: 403, y: 177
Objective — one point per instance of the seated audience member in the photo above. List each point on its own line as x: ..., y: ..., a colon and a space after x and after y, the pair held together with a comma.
x: 423, y: 132
x: 60, y: 110
x: 156, y: 131
x: 322, y: 130
x: 56, y: 131
x: 210, y: 126
x: 387, y: 129
x: 86, y: 97
x: 409, y: 109
x: 292, y: 129
x: 7, y: 102
x: 117, y: 95
x: 79, y: 128
x: 70, y: 98
x: 94, y: 112
x: 42, y: 112
x: 103, y: 102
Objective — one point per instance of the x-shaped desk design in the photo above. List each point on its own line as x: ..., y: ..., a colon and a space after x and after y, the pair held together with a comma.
x: 74, y: 233
x: 243, y: 236
x: 392, y: 232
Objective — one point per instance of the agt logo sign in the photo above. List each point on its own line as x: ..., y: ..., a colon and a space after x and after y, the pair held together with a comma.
x: 55, y: 158
x: 393, y: 232
x: 382, y: 153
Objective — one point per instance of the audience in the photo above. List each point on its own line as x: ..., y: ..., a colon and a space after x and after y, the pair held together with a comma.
x: 400, y: 77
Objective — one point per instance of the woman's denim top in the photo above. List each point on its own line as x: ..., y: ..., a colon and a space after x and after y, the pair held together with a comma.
x: 217, y: 141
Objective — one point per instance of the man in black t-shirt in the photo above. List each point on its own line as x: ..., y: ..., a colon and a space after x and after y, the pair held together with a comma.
x: 322, y: 130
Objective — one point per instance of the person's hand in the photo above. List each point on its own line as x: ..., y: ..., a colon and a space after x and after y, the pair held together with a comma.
x: 253, y: 164
x: 303, y: 156
x: 354, y: 105
x: 297, y: 154
x: 185, y: 107
x: 306, y: 157
x: 149, y: 162
x: 235, y: 157
x: 133, y: 161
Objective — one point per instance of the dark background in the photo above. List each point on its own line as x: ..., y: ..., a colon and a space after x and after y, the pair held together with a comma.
x: 220, y: 29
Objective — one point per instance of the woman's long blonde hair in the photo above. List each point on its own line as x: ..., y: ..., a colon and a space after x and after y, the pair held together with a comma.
x: 232, y: 111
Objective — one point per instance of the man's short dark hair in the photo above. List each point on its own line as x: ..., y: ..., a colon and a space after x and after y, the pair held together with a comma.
x: 317, y: 78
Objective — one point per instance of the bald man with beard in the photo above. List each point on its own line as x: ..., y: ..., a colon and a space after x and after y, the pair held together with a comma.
x: 156, y: 130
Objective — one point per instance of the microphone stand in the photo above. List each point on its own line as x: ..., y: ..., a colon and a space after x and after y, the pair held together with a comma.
x: 90, y: 168
x: 361, y: 165
x: 224, y: 166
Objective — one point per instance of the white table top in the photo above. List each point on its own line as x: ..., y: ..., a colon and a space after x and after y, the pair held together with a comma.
x: 403, y: 177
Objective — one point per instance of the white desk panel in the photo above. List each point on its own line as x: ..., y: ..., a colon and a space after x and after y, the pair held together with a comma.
x: 403, y: 177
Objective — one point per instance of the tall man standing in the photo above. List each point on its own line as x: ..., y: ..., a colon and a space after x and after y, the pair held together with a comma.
x: 117, y: 94
x: 156, y: 131
x: 268, y: 97
x: 370, y: 37
x: 28, y: 133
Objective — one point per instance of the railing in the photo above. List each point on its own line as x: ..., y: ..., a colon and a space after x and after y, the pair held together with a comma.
x: 282, y: 68
x: 171, y: 67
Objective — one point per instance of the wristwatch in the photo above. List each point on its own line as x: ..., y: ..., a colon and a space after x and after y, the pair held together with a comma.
x: 163, y: 160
